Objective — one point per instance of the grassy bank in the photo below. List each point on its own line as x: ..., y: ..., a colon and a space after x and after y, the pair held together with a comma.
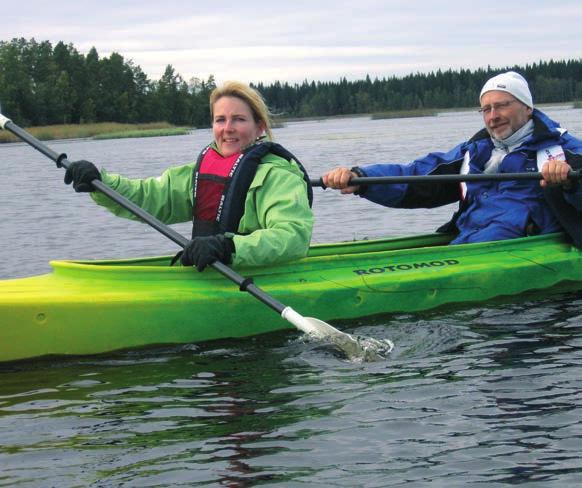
x: 402, y: 114
x: 102, y: 130
x: 171, y: 131
x: 393, y: 114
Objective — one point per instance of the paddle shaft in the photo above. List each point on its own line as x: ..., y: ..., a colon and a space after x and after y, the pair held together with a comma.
x: 61, y: 160
x: 391, y: 180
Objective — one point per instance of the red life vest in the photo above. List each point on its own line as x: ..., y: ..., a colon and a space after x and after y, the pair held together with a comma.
x: 221, y: 185
x: 214, y: 173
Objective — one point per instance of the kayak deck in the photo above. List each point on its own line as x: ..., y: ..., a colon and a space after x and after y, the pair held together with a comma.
x: 90, y: 307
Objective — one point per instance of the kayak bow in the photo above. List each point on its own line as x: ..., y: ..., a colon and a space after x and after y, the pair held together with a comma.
x: 353, y: 347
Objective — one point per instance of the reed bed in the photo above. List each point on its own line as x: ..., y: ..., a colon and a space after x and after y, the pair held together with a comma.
x: 402, y: 114
x: 172, y: 131
x: 85, y: 131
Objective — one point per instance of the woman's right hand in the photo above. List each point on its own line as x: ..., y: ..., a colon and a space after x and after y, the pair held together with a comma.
x: 81, y: 174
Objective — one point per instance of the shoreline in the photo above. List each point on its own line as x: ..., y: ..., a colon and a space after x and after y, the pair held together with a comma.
x: 101, y: 130
x: 113, y: 130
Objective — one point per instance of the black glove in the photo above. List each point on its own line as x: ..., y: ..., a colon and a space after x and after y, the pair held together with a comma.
x: 81, y: 174
x: 202, y: 251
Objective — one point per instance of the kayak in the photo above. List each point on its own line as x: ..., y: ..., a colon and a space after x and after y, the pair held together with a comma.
x: 100, y: 306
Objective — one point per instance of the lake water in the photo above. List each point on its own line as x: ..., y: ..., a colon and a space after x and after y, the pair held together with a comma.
x: 471, y: 396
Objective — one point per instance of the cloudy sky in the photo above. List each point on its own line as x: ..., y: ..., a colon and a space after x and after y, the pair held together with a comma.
x: 296, y: 40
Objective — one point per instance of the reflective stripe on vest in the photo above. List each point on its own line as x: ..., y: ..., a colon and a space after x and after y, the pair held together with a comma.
x: 464, y: 171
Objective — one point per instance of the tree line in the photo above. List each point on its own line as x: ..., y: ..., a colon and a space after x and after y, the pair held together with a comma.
x: 42, y: 84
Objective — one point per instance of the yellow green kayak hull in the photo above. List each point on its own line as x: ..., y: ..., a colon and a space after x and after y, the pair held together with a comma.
x: 91, y: 307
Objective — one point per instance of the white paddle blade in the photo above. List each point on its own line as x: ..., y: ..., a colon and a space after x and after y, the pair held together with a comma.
x: 314, y: 327
x: 3, y: 121
x: 355, y: 348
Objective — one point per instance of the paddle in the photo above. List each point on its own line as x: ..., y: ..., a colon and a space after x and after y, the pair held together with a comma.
x: 390, y: 180
x: 352, y: 347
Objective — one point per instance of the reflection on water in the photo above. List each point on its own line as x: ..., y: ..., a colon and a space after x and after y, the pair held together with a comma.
x: 485, y: 395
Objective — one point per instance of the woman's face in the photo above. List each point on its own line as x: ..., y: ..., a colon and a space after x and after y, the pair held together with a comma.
x: 233, y: 125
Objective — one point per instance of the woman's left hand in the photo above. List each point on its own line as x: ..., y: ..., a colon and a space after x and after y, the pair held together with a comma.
x: 202, y: 251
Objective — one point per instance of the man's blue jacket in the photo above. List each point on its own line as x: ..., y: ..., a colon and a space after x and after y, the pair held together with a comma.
x: 488, y: 210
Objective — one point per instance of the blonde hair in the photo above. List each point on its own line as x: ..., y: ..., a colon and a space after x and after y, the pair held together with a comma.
x: 248, y: 95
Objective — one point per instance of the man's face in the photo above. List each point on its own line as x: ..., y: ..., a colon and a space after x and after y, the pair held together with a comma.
x: 503, y: 113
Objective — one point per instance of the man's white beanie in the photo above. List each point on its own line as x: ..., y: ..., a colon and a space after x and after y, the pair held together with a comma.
x: 510, y: 82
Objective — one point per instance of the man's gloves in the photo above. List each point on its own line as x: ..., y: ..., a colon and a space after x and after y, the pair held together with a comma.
x: 202, y: 251
x: 81, y: 174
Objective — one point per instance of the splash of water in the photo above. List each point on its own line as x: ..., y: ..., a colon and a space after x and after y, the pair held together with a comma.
x: 362, y: 348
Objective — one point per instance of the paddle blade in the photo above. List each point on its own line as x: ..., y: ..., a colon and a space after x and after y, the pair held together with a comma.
x: 355, y: 348
x: 3, y: 121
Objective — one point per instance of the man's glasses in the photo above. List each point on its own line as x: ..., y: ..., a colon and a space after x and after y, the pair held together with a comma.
x: 486, y: 110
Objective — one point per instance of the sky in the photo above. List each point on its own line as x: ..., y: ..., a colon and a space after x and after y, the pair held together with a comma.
x: 296, y: 40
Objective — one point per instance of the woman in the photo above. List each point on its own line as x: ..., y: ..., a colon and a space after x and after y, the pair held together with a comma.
x: 249, y: 199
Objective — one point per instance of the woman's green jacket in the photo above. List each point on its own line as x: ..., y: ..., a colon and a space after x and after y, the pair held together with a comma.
x: 277, y: 222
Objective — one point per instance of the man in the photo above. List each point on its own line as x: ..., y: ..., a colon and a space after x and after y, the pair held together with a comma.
x: 517, y: 138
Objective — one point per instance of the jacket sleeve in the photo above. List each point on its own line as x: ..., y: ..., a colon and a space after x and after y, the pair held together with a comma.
x: 167, y: 197
x: 277, y: 210
x: 417, y: 195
